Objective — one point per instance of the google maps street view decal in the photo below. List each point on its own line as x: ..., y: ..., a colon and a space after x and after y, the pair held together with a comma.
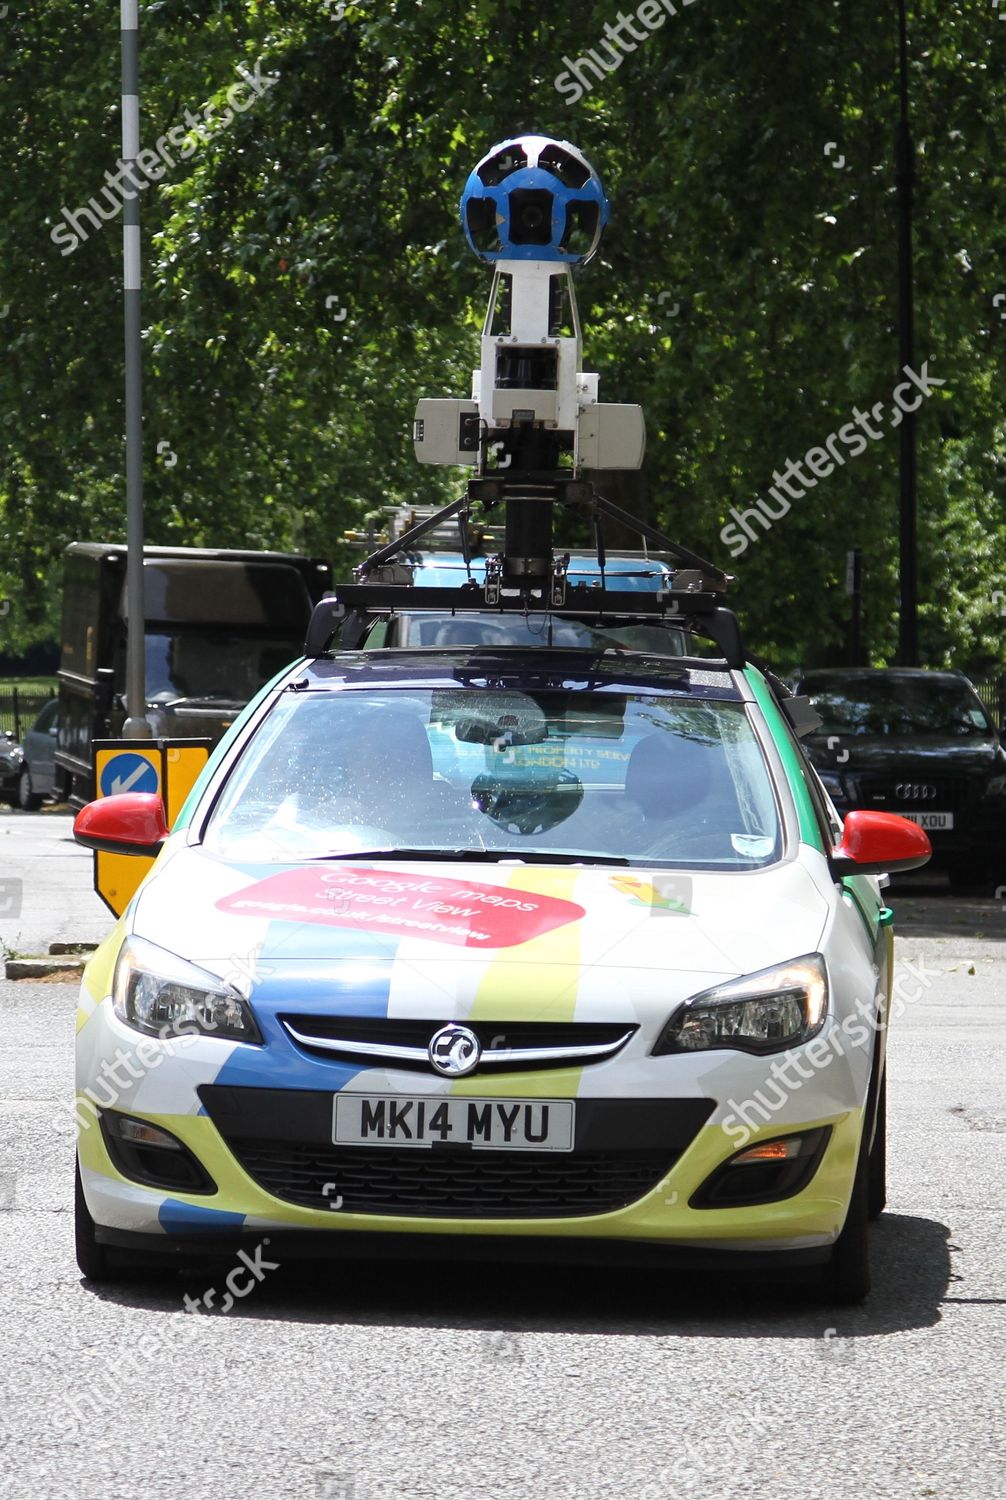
x: 463, y: 912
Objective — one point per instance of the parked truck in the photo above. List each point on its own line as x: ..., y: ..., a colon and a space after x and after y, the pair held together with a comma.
x: 218, y: 625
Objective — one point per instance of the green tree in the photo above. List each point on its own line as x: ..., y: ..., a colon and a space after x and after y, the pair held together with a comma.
x: 306, y: 280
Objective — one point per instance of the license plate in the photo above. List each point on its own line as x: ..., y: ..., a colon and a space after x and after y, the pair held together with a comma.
x: 432, y: 1119
x: 932, y: 822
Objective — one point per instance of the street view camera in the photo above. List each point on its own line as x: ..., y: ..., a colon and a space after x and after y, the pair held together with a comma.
x: 532, y: 430
x: 533, y: 209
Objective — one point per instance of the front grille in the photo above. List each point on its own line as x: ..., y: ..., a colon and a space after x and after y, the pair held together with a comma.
x: 910, y: 793
x: 506, y: 1045
x: 451, y: 1183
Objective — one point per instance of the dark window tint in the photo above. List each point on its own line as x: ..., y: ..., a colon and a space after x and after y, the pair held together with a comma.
x: 894, y: 704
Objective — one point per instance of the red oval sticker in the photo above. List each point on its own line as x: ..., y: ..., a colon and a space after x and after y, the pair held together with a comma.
x: 464, y: 912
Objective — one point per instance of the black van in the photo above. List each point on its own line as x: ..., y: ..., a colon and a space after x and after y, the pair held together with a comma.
x: 219, y: 624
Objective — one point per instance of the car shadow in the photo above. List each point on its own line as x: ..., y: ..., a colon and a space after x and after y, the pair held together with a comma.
x: 911, y: 1263
x: 978, y: 918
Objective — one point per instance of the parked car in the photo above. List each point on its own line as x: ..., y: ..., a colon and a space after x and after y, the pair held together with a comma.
x: 921, y: 744
x: 38, y: 771
x: 627, y: 573
x: 11, y: 761
x: 491, y: 952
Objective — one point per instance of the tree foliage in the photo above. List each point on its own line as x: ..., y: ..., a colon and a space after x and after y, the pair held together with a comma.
x: 306, y: 279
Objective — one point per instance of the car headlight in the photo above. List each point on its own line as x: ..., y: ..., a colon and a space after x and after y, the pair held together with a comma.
x: 164, y: 995
x: 15, y: 755
x: 764, y: 1012
x: 995, y: 787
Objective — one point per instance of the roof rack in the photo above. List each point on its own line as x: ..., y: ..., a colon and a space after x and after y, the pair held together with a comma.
x: 353, y: 607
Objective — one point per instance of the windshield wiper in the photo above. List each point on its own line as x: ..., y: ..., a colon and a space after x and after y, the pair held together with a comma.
x: 480, y: 856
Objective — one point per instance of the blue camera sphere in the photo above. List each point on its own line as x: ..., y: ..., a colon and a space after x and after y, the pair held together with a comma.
x: 532, y: 198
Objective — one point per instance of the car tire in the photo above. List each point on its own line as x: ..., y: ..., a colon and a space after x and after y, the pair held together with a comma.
x: 27, y: 800
x: 93, y: 1259
x: 104, y: 1264
x: 845, y: 1281
x: 877, y: 1174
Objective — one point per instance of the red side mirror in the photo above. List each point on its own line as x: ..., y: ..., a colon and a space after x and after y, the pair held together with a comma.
x: 875, y: 843
x: 130, y: 823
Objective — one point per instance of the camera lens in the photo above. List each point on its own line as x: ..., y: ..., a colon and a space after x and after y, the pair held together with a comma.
x: 530, y: 216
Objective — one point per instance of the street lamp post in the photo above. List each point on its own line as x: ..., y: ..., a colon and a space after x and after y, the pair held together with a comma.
x: 908, y: 626
x: 136, y: 725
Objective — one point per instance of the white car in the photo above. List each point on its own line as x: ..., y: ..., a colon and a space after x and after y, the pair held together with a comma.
x: 486, y: 953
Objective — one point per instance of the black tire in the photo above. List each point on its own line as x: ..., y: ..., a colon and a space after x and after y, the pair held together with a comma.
x: 93, y: 1259
x: 27, y: 800
x: 845, y: 1281
x: 105, y: 1264
x: 876, y: 1193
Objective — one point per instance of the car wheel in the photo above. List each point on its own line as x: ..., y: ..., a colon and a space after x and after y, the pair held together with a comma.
x: 105, y: 1263
x: 877, y: 1176
x: 27, y: 800
x: 846, y: 1278
x: 93, y: 1259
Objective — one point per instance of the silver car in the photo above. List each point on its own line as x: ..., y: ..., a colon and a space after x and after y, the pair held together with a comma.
x: 38, y: 769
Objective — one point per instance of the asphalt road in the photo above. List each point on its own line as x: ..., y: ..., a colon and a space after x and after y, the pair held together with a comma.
x: 442, y: 1383
x: 46, y: 885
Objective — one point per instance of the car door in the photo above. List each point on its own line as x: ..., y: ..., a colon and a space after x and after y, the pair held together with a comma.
x: 40, y: 748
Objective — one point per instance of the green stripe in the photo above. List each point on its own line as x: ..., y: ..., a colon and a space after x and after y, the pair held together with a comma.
x: 853, y: 885
x: 796, y: 775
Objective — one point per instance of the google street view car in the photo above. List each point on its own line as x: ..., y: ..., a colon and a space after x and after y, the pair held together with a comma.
x: 548, y: 945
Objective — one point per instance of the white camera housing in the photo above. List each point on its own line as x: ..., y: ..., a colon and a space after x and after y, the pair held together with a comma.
x: 530, y: 376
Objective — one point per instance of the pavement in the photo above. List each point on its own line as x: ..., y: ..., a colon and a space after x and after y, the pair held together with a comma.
x: 427, y: 1382
x: 46, y: 892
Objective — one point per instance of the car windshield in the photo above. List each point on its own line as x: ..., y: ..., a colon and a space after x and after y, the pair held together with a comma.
x: 222, y: 665
x: 896, y: 705
x: 581, y: 775
x: 515, y: 630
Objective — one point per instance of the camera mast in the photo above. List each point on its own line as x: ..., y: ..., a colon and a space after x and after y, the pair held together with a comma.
x: 533, y: 428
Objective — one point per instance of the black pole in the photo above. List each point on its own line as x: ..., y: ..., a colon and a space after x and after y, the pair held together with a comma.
x: 854, y: 588
x: 908, y: 625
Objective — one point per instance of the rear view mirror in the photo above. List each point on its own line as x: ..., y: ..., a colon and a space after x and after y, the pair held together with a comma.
x: 501, y: 734
x: 876, y: 843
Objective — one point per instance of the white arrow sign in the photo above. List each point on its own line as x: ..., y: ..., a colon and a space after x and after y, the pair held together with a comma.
x: 126, y: 783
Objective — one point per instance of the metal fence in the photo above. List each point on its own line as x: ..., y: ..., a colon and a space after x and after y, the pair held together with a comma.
x: 992, y: 692
x: 19, y: 707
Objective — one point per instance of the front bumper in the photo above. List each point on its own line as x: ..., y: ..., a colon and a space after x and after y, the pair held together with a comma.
x: 526, y: 1250
x: 660, y: 1217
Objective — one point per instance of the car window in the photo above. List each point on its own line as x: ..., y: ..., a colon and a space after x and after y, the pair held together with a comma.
x: 47, y: 718
x: 208, y: 664
x: 884, y: 705
x: 448, y: 630
x: 648, y: 778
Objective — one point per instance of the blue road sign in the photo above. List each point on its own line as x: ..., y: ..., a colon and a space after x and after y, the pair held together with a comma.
x: 129, y: 772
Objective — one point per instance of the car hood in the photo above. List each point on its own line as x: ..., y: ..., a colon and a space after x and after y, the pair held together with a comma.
x: 930, y: 755
x: 438, y: 930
